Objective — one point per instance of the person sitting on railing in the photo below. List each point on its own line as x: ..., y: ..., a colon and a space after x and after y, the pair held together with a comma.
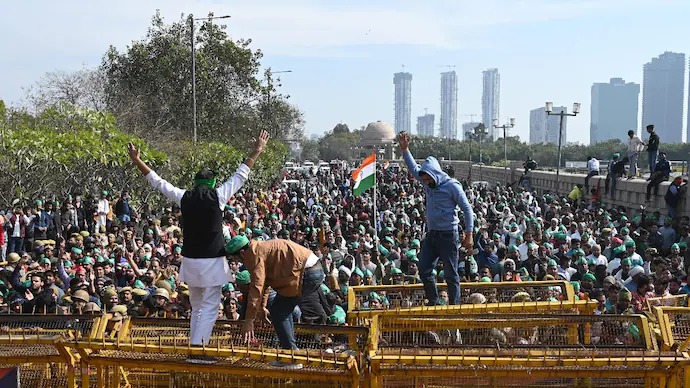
x: 661, y: 172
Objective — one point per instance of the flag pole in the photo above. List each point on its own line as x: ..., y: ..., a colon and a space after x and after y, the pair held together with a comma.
x: 375, y: 215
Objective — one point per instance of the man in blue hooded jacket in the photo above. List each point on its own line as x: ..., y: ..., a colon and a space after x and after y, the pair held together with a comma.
x: 442, y: 241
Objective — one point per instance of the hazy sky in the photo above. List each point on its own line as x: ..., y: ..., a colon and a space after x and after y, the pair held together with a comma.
x: 343, y: 53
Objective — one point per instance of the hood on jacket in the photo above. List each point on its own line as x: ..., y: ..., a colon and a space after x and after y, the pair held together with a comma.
x: 432, y: 167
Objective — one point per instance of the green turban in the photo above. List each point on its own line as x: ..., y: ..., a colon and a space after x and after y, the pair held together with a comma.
x: 236, y: 243
x: 242, y: 278
x: 383, y: 251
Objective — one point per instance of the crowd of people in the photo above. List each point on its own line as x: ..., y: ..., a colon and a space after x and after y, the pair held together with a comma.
x: 86, y: 255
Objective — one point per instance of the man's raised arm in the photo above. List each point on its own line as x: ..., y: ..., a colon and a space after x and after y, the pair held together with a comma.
x: 169, y: 190
x: 404, y: 142
x: 232, y: 185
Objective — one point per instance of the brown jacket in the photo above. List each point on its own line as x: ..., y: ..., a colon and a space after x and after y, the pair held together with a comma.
x: 276, y: 263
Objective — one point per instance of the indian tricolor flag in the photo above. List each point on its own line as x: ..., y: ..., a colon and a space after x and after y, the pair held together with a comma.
x: 364, y: 177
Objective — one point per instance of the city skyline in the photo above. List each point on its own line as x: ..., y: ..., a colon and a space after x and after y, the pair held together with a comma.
x: 614, y: 110
x: 341, y: 73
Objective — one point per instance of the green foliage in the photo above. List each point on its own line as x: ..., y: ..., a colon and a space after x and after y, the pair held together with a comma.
x: 69, y: 150
x: 149, y: 86
x: 66, y: 150
x: 338, y: 145
x: 188, y: 158
x: 310, y: 150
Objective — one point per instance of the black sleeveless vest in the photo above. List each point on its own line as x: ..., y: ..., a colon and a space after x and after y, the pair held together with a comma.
x: 202, y: 224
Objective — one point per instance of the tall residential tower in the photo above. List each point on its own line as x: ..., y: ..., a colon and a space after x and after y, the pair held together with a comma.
x: 425, y: 125
x: 614, y: 110
x: 663, y: 88
x: 490, y: 100
x: 543, y: 129
x: 403, y: 102
x: 449, y: 105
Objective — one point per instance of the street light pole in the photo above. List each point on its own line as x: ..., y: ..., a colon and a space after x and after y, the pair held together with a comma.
x: 562, y: 114
x: 193, y: 28
x: 511, y: 124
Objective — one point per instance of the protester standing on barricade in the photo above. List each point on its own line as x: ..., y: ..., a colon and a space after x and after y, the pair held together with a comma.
x: 592, y: 170
x: 652, y: 147
x: 204, y: 267
x: 635, y: 146
x: 442, y: 239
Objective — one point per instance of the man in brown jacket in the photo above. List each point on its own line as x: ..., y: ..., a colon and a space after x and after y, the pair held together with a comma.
x: 293, y: 271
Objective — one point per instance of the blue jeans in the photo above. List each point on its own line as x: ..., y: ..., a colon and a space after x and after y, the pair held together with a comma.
x: 282, y: 308
x: 444, y: 245
x: 16, y: 244
x: 652, y: 159
x: 672, y: 210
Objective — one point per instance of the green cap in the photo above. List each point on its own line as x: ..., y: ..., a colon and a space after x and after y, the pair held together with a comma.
x: 236, y: 243
x: 630, y: 244
x: 552, y: 263
x: 228, y: 287
x: 675, y: 246
x: 485, y: 279
x: 414, y: 243
x: 358, y: 272
x: 411, y: 253
x: 590, y: 277
x: 626, y: 261
x: 45, y: 260
x: 139, y: 284
x: 76, y: 250
x: 396, y: 271
x: 383, y: 251
x: 242, y: 278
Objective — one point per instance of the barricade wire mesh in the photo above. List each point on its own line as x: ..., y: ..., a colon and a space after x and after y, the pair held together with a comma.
x: 519, y: 331
x: 412, y: 295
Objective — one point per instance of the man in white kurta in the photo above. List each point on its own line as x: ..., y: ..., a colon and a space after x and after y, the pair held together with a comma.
x: 203, y: 275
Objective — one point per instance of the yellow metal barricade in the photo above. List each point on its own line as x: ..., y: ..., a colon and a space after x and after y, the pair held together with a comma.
x: 531, y: 350
x: 412, y: 295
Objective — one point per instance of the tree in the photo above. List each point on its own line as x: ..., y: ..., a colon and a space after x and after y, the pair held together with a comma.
x: 149, y: 86
x: 66, y: 150
x: 340, y: 129
x: 71, y: 150
x: 338, y: 145
x: 310, y: 150
x: 83, y: 88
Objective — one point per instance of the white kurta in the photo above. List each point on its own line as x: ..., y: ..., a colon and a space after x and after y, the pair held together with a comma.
x: 203, y: 272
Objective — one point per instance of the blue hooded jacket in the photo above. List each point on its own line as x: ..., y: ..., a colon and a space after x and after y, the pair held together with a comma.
x: 442, y: 200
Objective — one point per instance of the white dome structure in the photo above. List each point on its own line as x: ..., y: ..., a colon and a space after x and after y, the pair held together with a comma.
x: 378, y: 133
x: 378, y: 137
